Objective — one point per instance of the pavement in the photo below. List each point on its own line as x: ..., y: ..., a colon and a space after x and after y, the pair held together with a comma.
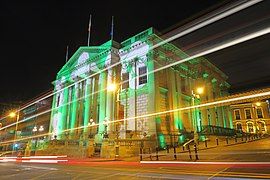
x: 257, y: 150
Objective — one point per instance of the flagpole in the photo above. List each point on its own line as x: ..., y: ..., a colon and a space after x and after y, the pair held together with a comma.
x: 89, y: 30
x: 112, y: 29
x: 67, y: 54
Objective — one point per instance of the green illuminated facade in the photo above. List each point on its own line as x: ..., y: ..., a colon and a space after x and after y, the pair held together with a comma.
x: 139, y: 92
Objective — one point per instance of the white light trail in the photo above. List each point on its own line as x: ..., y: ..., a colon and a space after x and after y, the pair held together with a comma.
x: 217, y: 17
x: 215, y: 103
x: 217, y: 48
x: 213, y: 19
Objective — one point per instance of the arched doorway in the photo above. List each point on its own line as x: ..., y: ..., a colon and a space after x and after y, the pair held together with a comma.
x: 250, y: 127
x: 261, y: 127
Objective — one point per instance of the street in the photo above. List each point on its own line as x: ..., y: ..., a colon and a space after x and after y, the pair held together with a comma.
x: 130, y: 170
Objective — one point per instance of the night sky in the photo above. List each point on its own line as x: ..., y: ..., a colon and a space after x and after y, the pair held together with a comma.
x: 34, y: 36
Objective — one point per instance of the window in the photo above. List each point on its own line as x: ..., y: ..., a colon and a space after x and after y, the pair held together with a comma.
x: 250, y: 127
x: 142, y: 75
x: 248, y: 113
x: 125, y: 80
x: 239, y: 126
x: 237, y: 114
x: 259, y: 112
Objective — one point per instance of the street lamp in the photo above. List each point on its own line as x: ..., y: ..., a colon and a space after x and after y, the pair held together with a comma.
x: 257, y: 104
x: 105, y: 123
x: 113, y: 87
x: 196, y: 95
x: 12, y: 115
x: 90, y: 124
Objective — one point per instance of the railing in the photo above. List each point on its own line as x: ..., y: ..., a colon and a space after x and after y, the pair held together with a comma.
x: 218, y: 131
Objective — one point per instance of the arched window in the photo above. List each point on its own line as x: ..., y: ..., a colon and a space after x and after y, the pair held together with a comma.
x: 250, y: 127
x: 239, y: 126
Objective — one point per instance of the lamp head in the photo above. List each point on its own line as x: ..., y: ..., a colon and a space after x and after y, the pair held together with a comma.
x: 200, y: 90
x: 258, y: 103
x: 111, y: 87
x: 12, y: 114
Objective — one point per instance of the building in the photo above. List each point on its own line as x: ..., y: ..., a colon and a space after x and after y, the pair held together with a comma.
x: 252, y: 117
x: 87, y: 91
x: 33, y: 120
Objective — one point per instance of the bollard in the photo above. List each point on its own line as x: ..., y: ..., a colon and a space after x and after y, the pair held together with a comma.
x: 150, y: 154
x: 141, y: 154
x: 189, y: 152
x: 196, y: 152
x: 227, y: 140
x: 157, y: 153
x: 174, y: 152
x: 217, y: 141
x: 235, y: 139
x: 183, y: 147
x: 168, y: 149
x: 205, y: 143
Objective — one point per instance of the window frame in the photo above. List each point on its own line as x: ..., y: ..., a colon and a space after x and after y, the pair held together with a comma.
x: 144, y: 78
x: 261, y: 112
x: 246, y: 113
x: 235, y: 114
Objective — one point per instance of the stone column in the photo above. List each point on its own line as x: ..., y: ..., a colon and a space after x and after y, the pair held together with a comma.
x: 87, y: 105
x: 75, y: 92
x: 109, y: 100
x: 212, y: 109
x: 102, y: 100
x: 153, y: 105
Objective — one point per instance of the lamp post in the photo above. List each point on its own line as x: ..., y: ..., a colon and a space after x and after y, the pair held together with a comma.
x: 35, y: 129
x: 196, y: 95
x: 116, y: 90
x: 12, y: 115
x: 91, y: 124
x: 254, y: 106
x: 105, y: 123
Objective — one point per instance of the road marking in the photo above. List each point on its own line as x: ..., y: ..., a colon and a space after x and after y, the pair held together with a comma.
x: 208, y: 163
x: 181, y: 172
x: 219, y: 172
x: 40, y: 167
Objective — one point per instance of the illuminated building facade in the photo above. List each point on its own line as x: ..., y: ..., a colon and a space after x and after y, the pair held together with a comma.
x: 252, y: 117
x: 132, y: 89
x: 34, y: 119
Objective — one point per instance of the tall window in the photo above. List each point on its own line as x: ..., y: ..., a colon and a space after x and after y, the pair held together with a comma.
x: 237, y: 114
x: 259, y: 112
x: 248, y: 113
x: 125, y: 80
x: 250, y: 127
x: 239, y: 126
x: 142, y: 75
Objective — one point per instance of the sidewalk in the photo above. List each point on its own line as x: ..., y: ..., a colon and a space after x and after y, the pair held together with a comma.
x: 254, y: 150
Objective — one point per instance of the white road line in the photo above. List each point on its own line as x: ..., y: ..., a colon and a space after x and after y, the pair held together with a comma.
x: 209, y: 163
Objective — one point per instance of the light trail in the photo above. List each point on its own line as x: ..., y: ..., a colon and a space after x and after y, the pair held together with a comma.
x: 217, y: 48
x: 218, y: 16
x: 220, y: 102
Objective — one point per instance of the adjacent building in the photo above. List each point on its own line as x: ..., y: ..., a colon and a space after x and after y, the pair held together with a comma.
x: 32, y: 120
x: 252, y: 117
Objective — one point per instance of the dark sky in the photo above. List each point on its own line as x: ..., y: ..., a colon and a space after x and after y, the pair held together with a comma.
x: 34, y: 34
